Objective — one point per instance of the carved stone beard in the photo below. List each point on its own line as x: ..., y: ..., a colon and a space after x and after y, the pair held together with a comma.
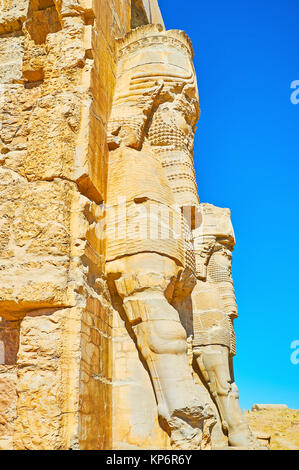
x: 219, y: 275
x: 171, y: 135
x: 219, y: 272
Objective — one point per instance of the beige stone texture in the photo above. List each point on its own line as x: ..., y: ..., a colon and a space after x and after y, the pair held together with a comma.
x: 116, y: 294
x: 95, y: 398
x: 146, y: 12
x: 47, y: 385
x: 8, y: 408
x: 34, y: 245
x: 42, y: 244
x: 11, y: 49
x: 280, y: 424
x: 56, y: 315
x: 12, y: 15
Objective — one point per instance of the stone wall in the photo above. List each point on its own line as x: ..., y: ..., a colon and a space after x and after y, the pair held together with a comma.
x: 57, y: 76
x: 57, y: 66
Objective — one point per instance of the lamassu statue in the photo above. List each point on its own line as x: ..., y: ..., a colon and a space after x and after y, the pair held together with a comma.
x: 168, y: 257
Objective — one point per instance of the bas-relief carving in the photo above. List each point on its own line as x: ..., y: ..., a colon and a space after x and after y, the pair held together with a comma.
x: 168, y: 256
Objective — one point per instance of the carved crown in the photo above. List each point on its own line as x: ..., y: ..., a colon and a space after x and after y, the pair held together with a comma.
x: 147, y: 35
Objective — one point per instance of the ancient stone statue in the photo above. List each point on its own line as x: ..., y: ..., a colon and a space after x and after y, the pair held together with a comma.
x: 169, y: 271
x: 214, y: 309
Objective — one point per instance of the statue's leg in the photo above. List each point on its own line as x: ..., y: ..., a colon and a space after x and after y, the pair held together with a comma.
x: 142, y: 283
x: 214, y: 362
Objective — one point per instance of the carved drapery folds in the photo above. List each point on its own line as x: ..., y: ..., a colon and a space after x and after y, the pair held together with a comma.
x: 168, y: 257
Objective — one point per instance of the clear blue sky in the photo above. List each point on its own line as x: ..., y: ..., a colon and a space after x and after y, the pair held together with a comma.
x: 246, y: 158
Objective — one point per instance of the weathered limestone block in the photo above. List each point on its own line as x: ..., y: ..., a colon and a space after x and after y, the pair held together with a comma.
x: 75, y: 7
x: 48, y: 380
x: 59, y: 128
x: 11, y: 51
x: 8, y: 400
x: 35, y: 244
x: 62, y: 370
x: 15, y: 110
x: 39, y: 24
x: 47, y: 269
x: 65, y: 52
x: 44, y: 236
x: 42, y: 22
x: 12, y: 15
x: 53, y: 129
x: 9, y: 341
x: 53, y: 60
x: 96, y: 376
